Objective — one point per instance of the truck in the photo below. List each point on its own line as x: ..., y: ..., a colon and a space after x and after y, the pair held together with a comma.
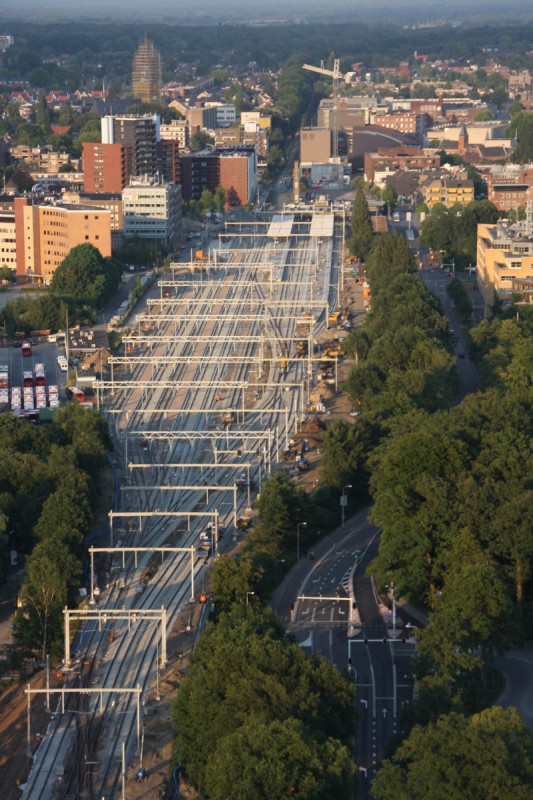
x: 26, y: 348
x: 27, y: 379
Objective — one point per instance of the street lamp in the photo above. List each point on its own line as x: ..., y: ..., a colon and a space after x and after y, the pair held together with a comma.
x: 248, y: 595
x: 300, y: 525
x: 344, y: 502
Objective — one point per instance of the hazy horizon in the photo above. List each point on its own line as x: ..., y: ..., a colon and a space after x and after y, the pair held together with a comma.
x: 264, y: 10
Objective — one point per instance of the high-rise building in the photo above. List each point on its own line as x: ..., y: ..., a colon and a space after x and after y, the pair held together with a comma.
x: 140, y: 134
x: 131, y: 147
x: 146, y: 73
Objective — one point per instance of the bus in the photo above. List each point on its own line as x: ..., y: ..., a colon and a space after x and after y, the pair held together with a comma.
x: 26, y: 348
x: 40, y: 376
x: 75, y: 393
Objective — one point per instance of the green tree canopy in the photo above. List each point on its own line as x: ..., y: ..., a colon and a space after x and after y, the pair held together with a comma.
x: 488, y: 755
x: 362, y: 231
x: 279, y: 759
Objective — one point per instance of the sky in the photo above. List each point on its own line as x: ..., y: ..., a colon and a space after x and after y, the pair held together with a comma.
x: 247, y: 10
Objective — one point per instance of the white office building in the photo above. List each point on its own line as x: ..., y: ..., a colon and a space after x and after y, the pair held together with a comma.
x: 152, y: 210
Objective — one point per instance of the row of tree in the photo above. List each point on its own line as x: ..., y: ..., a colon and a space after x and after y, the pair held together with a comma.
x: 49, y: 488
x: 100, y: 49
x: 451, y: 493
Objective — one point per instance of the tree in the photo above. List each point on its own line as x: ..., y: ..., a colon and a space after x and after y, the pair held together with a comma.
x: 245, y: 672
x: 200, y: 140
x: 220, y: 198
x: 278, y: 504
x: 42, y: 114
x: 207, y: 200
x: 522, y: 128
x: 488, y: 755
x: 343, y: 452
x: 51, y: 571
x: 232, y: 579
x: 390, y: 255
x: 362, y: 232
x: 85, y: 277
x: 279, y: 759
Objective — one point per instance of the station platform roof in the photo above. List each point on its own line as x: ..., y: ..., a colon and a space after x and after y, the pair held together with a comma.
x: 322, y: 226
x: 280, y: 226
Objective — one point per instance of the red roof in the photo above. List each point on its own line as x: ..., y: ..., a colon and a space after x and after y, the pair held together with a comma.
x: 61, y: 130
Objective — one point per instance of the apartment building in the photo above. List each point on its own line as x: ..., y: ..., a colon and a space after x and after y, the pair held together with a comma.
x: 505, y: 261
x: 249, y: 135
x: 8, y: 238
x: 391, y: 159
x: 509, y: 185
x: 131, y: 146
x: 447, y: 190
x: 45, y: 234
x: 235, y: 170
x: 106, y: 167
x: 402, y: 121
x: 140, y: 133
x: 152, y: 210
x: 177, y: 130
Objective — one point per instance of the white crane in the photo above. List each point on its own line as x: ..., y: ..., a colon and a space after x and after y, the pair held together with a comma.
x: 336, y: 76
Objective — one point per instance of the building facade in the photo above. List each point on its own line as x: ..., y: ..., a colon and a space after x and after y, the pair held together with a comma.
x: 315, y: 145
x: 106, y: 166
x: 504, y: 260
x: 45, y: 235
x: 140, y: 135
x: 390, y: 159
x: 146, y: 74
x: 235, y: 170
x: 152, y: 211
x: 447, y: 191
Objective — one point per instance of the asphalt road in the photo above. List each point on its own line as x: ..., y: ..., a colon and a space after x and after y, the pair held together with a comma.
x: 320, y: 619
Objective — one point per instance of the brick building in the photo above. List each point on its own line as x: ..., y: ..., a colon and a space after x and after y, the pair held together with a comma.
x: 235, y: 170
x: 391, y: 159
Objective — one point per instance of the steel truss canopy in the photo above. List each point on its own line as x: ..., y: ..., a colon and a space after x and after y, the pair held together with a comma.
x: 322, y: 226
x: 280, y: 226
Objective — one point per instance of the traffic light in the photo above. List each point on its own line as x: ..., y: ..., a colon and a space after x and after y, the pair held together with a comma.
x: 366, y: 640
x: 350, y: 661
